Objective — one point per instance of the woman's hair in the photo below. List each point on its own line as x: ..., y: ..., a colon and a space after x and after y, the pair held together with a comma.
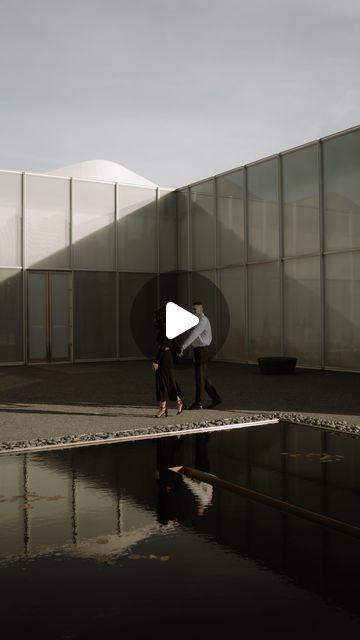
x: 160, y: 317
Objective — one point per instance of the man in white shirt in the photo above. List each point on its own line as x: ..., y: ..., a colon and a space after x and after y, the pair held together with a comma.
x: 200, y: 338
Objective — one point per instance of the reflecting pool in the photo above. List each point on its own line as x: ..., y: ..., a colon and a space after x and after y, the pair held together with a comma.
x: 101, y: 541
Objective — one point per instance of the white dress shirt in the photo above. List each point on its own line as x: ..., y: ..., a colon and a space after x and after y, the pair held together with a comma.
x: 200, y: 336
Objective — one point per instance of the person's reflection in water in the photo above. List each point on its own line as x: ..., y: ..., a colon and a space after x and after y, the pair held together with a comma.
x: 202, y: 491
x: 168, y: 481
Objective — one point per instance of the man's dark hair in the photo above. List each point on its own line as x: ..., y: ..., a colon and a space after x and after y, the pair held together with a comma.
x: 197, y: 304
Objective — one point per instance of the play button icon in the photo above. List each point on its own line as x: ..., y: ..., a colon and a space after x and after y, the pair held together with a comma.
x: 178, y: 320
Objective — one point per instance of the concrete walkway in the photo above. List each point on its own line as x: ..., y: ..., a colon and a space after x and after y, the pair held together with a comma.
x: 59, y: 400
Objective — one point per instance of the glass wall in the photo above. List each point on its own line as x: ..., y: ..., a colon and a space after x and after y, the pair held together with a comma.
x: 202, y: 224
x: 183, y: 229
x: 167, y: 231
x: 11, y: 316
x: 300, y: 182
x: 136, y: 229
x: 302, y: 310
x: 280, y: 238
x: 10, y: 219
x: 263, y: 211
x: 93, y: 225
x: 341, y: 166
x: 94, y: 315
x: 342, y: 310
x: 230, y: 231
x: 47, y: 220
x: 264, y: 310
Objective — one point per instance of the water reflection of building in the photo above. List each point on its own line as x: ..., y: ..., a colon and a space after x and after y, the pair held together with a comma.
x: 79, y: 497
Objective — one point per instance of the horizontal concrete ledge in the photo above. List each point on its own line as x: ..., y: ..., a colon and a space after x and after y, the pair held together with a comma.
x: 138, y: 435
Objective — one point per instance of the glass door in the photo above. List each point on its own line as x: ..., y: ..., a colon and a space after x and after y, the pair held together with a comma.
x: 38, y: 339
x: 49, y: 306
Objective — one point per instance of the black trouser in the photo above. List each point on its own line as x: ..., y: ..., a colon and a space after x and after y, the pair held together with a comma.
x: 202, y: 382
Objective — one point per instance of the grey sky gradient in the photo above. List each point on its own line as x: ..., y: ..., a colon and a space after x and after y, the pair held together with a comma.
x: 175, y: 90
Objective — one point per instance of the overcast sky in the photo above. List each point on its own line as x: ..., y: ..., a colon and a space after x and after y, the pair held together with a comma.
x: 175, y: 90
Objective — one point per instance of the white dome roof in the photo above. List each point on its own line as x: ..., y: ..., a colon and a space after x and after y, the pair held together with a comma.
x: 101, y: 170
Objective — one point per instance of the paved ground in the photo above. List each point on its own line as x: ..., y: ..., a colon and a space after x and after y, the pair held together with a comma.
x: 59, y: 400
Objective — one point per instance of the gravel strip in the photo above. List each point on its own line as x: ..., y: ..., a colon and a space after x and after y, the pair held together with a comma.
x: 293, y: 418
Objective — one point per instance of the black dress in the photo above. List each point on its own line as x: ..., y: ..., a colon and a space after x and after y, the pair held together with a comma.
x: 166, y: 386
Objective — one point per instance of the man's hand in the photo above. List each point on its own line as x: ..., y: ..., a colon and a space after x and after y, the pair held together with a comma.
x: 155, y: 366
x: 180, y: 354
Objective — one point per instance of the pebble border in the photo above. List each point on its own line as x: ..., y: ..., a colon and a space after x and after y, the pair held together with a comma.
x: 338, y: 426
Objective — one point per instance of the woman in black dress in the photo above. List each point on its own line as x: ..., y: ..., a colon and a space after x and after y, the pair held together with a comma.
x: 166, y: 386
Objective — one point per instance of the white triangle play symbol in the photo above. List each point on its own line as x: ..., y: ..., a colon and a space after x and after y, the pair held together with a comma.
x: 178, y: 320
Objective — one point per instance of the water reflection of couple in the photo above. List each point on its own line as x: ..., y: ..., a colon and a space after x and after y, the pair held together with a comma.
x: 169, y: 482
x: 169, y: 351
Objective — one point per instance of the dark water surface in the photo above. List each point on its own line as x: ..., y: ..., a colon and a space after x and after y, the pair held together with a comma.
x: 103, y: 542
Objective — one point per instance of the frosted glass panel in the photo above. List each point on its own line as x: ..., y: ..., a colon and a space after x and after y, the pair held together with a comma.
x: 93, y: 225
x: 342, y: 191
x: 342, y: 310
x: 264, y: 310
x: 60, y: 316
x: 37, y: 317
x: 183, y: 233
x: 202, y: 290
x: 11, y: 325
x: 232, y: 285
x: 10, y: 219
x: 230, y: 219
x: 263, y: 211
x: 95, y: 315
x: 137, y: 229
x: 301, y: 201
x: 167, y: 231
x: 138, y: 322
x: 302, y: 310
x: 47, y: 222
x: 203, y: 225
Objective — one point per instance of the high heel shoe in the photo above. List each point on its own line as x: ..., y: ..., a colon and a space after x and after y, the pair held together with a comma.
x: 181, y: 406
x: 163, y: 412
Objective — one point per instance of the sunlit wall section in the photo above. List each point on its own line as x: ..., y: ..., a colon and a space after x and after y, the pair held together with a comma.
x: 202, y: 226
x: 10, y: 219
x: 230, y: 219
x: 47, y: 222
x: 264, y: 310
x: 94, y: 315
x: 137, y: 229
x: 300, y: 184
x: 341, y: 175
x: 263, y: 211
x: 341, y: 170
x: 167, y: 231
x: 93, y: 225
x: 182, y: 208
x: 301, y: 237
x: 230, y: 256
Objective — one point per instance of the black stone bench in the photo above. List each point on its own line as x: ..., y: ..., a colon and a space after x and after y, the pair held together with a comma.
x: 277, y: 364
